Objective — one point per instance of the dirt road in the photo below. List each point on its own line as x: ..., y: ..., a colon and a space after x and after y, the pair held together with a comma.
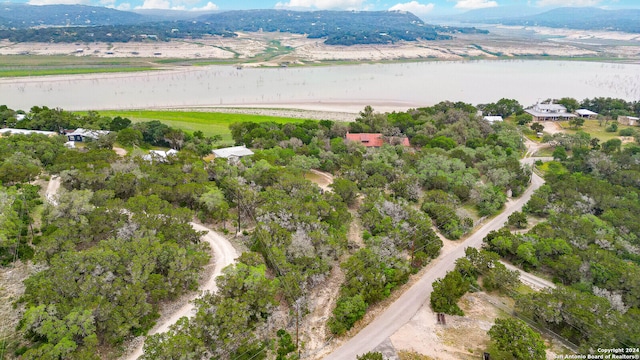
x: 52, y: 189
x: 224, y: 254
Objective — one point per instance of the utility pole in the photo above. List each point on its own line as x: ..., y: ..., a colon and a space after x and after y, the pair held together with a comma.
x: 238, y: 203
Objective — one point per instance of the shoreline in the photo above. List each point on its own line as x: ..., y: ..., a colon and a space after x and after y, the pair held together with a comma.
x: 346, y: 111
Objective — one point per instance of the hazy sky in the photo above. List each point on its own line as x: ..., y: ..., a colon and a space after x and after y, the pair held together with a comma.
x: 418, y: 7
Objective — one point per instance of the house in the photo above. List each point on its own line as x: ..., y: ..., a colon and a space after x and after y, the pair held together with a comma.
x: 81, y: 134
x: 159, y: 155
x: 377, y: 139
x: 492, y: 119
x: 9, y: 131
x: 232, y: 154
x: 588, y: 114
x: 549, y: 112
x: 628, y: 120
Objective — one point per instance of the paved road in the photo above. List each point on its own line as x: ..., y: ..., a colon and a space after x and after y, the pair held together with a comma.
x: 224, y: 254
x: 534, y: 282
x: 403, y: 309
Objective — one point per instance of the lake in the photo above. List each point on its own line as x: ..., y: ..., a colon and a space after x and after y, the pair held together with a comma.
x: 341, y: 88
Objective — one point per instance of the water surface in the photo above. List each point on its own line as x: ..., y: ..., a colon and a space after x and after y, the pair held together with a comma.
x: 398, y: 85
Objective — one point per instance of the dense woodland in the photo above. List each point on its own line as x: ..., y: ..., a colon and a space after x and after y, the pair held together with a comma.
x: 117, y: 236
x: 108, y: 25
x: 586, y: 239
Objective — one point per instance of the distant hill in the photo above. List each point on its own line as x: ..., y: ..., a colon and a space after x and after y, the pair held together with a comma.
x: 494, y: 13
x: 338, y: 27
x: 71, y: 23
x: 582, y: 18
x: 13, y: 15
x: 170, y: 15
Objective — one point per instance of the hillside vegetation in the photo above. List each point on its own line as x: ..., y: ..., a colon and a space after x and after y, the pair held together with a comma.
x: 115, y: 243
x: 107, y: 25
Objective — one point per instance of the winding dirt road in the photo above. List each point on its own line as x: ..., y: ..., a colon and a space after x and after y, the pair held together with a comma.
x: 224, y: 254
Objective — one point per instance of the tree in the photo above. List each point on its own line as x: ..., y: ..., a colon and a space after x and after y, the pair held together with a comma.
x: 348, y: 310
x: 19, y: 167
x: 537, y: 127
x: 570, y: 103
x: 370, y: 356
x: 576, y: 122
x: 104, y: 141
x: 347, y: 189
x: 215, y: 204
x: 118, y: 123
x: 285, y: 345
x: 446, y: 293
x: 518, y: 338
x: 518, y: 219
x: 559, y: 153
x: 130, y: 137
x: 524, y: 119
x: 442, y: 142
x: 611, y: 145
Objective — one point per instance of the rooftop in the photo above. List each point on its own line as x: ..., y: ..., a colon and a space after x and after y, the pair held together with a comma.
x: 374, y: 139
x: 26, y: 132
x: 585, y: 112
x: 94, y: 134
x: 234, y: 151
x: 492, y: 119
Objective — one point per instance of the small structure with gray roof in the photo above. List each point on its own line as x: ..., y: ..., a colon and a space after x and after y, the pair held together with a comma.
x: 81, y: 134
x: 232, y: 153
x: 9, y: 131
x: 585, y: 113
x: 492, y: 119
x: 159, y: 155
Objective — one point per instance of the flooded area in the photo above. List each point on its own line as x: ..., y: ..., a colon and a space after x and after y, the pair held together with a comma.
x: 346, y: 87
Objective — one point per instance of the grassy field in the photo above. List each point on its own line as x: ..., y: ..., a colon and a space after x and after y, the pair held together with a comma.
x: 210, y: 123
x: 38, y: 65
x: 593, y: 128
x: 44, y: 72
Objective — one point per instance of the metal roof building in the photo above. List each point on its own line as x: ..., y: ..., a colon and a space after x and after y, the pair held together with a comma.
x: 26, y: 132
x: 232, y: 152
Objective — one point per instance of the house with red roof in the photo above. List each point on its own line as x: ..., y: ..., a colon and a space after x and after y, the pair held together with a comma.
x: 377, y: 139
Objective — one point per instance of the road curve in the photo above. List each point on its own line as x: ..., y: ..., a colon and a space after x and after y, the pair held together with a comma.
x: 405, y: 307
x: 224, y: 254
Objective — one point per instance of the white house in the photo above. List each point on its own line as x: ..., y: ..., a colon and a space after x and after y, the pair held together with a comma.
x: 159, y: 155
x: 9, y: 131
x: 492, y: 119
x: 232, y: 153
x: 81, y: 134
x: 584, y: 113
x: 549, y: 112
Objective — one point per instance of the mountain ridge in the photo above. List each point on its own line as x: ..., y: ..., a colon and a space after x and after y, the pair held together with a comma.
x: 580, y: 18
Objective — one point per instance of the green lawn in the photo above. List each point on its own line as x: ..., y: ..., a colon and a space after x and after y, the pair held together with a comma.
x: 210, y: 123
x: 38, y: 65
x: 66, y: 71
x: 593, y: 128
